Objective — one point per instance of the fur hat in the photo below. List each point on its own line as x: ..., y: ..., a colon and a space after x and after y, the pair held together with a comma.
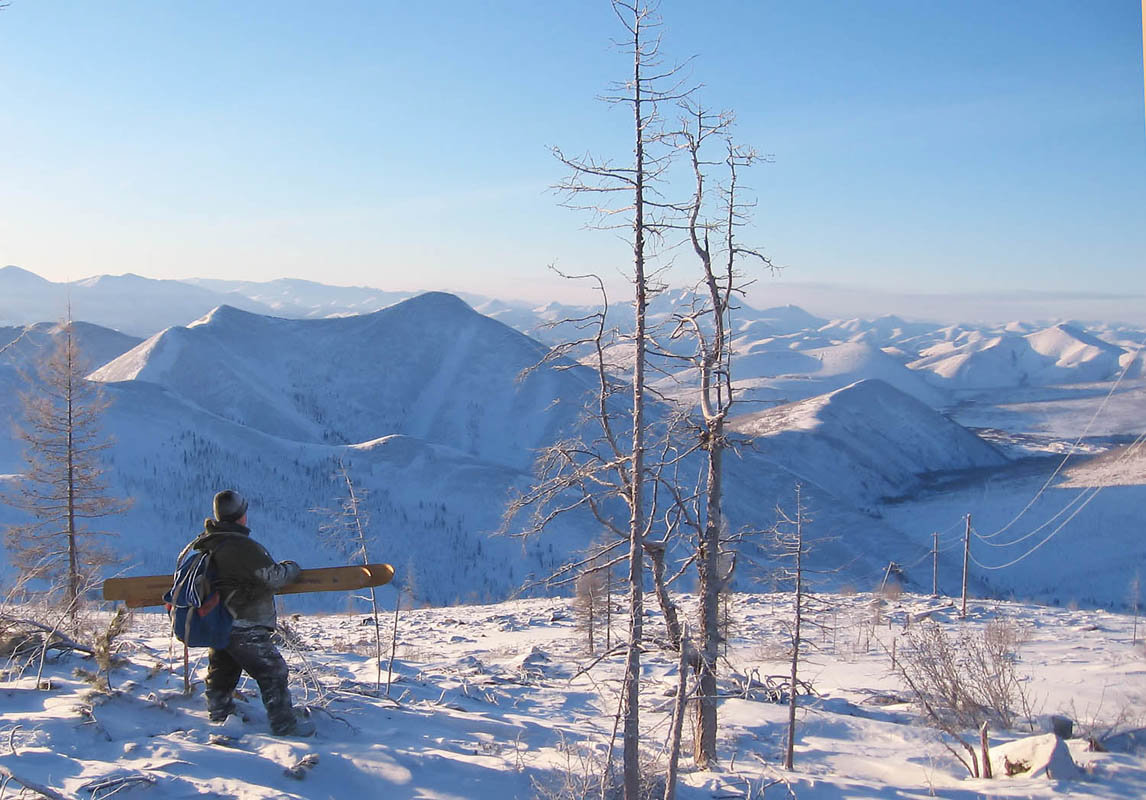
x: 230, y: 506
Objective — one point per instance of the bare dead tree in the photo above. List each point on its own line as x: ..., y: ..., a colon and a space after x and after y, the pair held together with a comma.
x: 713, y: 239
x: 678, y: 712
x: 613, y: 468
x: 346, y: 527
x: 792, y: 545
x: 63, y: 486
x: 589, y: 604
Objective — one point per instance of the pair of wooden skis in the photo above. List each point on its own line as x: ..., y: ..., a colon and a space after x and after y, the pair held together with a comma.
x: 148, y: 590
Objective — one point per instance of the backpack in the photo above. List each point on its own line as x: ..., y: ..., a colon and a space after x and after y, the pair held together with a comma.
x: 199, y: 617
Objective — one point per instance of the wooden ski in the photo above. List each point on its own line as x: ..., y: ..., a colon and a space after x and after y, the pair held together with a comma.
x: 148, y: 590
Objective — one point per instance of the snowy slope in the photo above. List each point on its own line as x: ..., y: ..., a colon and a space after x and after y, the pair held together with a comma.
x: 986, y: 363
x: 1070, y: 538
x: 429, y: 367
x: 22, y: 347
x: 865, y: 441
x: 774, y: 322
x: 431, y: 509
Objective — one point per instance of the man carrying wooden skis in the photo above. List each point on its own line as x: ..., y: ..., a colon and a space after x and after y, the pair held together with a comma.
x: 246, y: 577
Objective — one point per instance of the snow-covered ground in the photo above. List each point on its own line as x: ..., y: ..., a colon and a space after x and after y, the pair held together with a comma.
x: 496, y: 702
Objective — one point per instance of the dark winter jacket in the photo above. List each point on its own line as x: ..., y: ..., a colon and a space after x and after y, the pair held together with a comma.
x: 246, y: 575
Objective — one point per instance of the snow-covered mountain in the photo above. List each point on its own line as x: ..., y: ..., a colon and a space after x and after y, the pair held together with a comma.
x: 864, y: 442
x: 773, y: 371
x: 429, y: 367
x: 1059, y: 354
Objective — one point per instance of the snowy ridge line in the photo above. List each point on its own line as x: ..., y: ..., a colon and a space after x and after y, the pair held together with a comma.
x: 16, y: 341
x: 1093, y: 494
x: 1069, y: 452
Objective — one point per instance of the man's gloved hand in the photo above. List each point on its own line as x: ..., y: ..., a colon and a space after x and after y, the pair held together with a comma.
x: 293, y: 569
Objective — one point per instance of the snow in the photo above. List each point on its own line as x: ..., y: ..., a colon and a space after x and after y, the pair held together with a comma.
x: 490, y: 702
x: 1045, y: 756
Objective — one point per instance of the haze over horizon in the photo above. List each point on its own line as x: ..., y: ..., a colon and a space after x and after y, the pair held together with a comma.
x: 919, y: 150
x: 831, y: 301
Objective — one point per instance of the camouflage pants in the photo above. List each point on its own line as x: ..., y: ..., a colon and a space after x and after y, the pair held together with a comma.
x: 251, y: 650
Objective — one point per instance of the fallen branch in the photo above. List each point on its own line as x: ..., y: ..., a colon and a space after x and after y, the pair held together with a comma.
x: 27, y: 784
x: 111, y: 785
x: 58, y: 640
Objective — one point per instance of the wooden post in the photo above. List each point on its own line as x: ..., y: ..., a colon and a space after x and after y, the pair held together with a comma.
x: 393, y: 643
x: 186, y: 672
x: 935, y: 565
x: 966, y: 558
x: 985, y: 751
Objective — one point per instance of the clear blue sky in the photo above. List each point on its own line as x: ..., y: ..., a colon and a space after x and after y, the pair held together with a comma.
x: 919, y: 146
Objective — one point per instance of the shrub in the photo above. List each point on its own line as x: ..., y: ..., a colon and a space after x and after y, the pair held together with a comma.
x: 967, y: 678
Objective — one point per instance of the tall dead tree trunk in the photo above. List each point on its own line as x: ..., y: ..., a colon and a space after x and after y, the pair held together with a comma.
x: 632, y: 691
x: 797, y: 624
x: 710, y: 326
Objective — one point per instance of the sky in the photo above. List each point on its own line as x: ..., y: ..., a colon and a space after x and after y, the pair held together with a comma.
x: 915, y: 147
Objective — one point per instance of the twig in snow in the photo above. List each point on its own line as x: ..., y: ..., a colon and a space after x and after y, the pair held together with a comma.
x: 114, y: 784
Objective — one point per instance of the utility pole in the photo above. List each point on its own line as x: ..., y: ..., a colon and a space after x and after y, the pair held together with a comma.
x: 966, y: 558
x: 934, y: 564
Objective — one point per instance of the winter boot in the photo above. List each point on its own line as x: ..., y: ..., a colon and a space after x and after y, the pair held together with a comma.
x: 300, y: 726
x: 219, y: 707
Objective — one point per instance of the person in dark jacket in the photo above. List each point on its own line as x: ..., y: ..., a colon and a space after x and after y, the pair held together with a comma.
x: 246, y: 578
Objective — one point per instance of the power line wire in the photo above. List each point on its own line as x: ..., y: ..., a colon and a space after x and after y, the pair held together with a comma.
x: 1093, y: 493
x: 1070, y: 452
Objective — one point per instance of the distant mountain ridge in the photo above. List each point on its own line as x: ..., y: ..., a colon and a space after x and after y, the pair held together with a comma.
x: 429, y: 367
x: 129, y: 303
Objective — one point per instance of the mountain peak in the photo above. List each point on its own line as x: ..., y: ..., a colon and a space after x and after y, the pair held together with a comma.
x: 223, y: 315
x: 14, y: 276
x: 441, y: 301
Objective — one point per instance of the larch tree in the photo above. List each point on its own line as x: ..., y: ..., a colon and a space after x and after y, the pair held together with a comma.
x: 792, y: 545
x: 63, y: 488
x: 347, y: 528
